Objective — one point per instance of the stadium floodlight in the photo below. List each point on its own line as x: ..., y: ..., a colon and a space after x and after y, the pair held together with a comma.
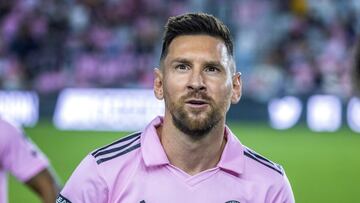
x: 353, y: 114
x: 106, y: 109
x: 324, y: 113
x: 284, y: 113
x: 21, y: 107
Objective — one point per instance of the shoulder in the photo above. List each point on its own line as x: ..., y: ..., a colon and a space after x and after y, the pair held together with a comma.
x: 13, y: 138
x: 18, y: 154
x: 262, y: 163
x: 8, y: 130
x: 98, y: 171
x: 106, y: 161
x: 269, y: 173
x: 118, y: 149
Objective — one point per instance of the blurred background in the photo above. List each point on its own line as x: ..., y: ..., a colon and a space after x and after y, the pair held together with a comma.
x: 296, y: 47
x: 74, y: 65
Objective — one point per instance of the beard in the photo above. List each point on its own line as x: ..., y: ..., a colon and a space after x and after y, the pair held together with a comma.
x: 196, y: 124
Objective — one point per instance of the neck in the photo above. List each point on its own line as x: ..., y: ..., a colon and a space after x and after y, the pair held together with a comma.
x: 192, y: 156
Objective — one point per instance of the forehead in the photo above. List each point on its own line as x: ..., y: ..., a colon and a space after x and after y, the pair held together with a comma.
x: 197, y: 47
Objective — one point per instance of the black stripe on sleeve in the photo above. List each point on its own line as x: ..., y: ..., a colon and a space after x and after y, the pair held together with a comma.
x: 129, y: 137
x: 259, y: 156
x: 252, y: 156
x: 118, y: 154
x: 116, y: 148
x: 62, y: 199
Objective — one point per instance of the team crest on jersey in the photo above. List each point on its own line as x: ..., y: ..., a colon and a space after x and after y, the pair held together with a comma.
x: 232, y: 201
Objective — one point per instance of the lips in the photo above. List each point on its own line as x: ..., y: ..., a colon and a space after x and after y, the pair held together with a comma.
x: 196, y: 101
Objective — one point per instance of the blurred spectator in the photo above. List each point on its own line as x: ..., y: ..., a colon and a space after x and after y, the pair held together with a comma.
x: 356, y: 69
x: 267, y: 79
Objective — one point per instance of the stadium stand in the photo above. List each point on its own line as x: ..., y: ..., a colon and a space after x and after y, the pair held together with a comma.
x: 299, y: 47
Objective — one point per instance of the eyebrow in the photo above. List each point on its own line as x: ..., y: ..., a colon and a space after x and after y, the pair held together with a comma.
x: 180, y: 60
x: 214, y: 63
x: 186, y: 61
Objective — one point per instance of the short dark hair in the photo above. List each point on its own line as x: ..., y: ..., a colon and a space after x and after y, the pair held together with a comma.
x: 195, y: 24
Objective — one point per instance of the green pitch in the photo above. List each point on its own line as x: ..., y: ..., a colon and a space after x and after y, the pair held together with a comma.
x: 322, y: 167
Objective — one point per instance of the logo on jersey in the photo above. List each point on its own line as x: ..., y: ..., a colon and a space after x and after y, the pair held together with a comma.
x: 62, y: 199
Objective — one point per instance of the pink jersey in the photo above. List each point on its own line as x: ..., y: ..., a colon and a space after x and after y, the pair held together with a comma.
x: 136, y: 169
x: 19, y: 156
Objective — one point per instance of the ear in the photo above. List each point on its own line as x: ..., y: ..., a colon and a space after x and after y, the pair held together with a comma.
x: 236, y: 88
x: 158, y: 84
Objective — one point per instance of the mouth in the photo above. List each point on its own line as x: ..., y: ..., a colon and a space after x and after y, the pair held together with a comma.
x: 196, y: 103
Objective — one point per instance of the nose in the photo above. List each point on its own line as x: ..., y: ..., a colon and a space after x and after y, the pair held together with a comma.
x: 196, y: 82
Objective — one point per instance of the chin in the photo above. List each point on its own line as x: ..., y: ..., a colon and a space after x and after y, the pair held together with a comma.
x: 196, y: 125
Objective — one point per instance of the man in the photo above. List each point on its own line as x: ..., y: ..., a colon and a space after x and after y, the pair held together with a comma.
x: 189, y: 155
x: 20, y: 157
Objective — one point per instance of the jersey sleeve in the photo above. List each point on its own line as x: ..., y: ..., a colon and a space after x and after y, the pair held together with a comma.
x: 18, y: 154
x: 288, y: 195
x: 285, y: 193
x: 86, y: 184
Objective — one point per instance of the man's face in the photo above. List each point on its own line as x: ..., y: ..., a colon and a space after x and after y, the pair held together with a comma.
x: 197, y: 83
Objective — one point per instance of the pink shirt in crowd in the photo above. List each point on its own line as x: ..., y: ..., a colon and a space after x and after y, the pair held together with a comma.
x: 19, y: 156
x: 135, y: 169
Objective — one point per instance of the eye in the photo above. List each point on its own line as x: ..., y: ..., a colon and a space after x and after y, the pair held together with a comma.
x: 212, y: 69
x: 182, y: 67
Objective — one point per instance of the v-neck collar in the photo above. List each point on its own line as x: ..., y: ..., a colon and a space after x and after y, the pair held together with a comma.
x: 231, y: 161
